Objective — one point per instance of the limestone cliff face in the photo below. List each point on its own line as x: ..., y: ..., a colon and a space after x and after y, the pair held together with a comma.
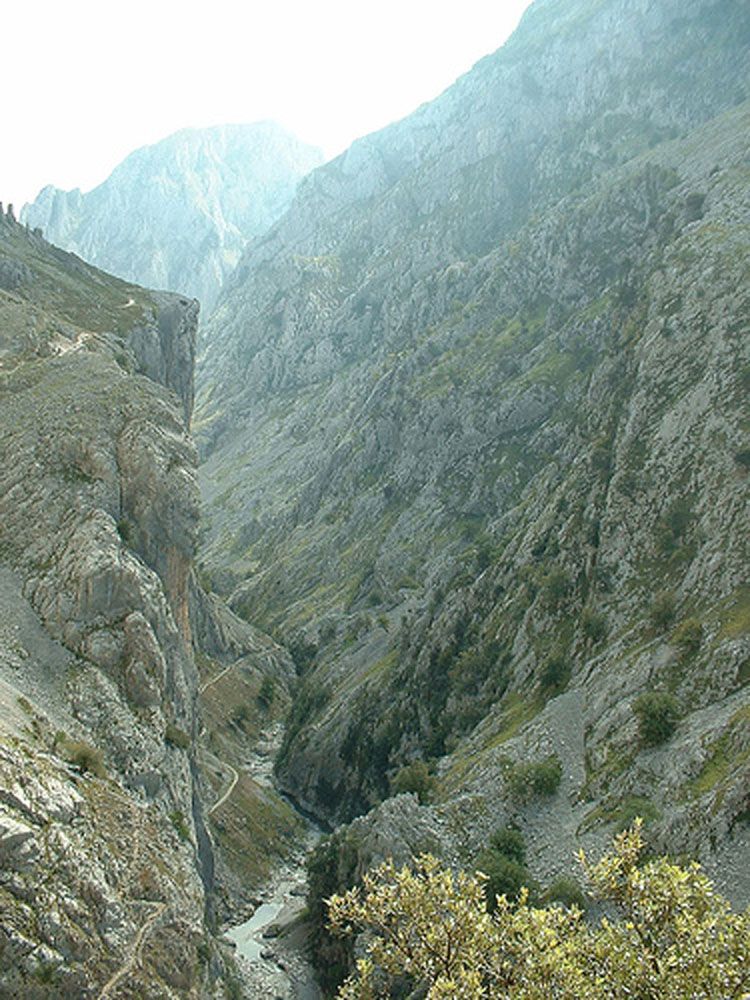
x: 105, y: 859
x: 474, y: 423
x: 177, y: 215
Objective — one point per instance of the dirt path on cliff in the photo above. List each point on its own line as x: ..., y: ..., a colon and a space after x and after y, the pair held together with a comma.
x: 135, y: 950
x: 216, y: 677
x: 235, y: 778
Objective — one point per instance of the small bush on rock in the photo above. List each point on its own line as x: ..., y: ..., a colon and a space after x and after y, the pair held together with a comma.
x: 415, y: 778
x: 658, y: 714
x: 536, y: 778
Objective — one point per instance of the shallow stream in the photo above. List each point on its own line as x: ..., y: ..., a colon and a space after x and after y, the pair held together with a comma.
x: 270, y: 945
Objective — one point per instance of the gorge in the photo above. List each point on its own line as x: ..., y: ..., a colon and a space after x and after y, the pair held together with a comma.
x: 462, y: 543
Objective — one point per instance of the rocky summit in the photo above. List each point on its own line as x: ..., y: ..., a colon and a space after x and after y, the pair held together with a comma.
x: 177, y: 214
x: 474, y: 431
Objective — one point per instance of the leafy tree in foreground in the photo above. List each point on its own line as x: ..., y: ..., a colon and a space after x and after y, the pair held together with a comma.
x: 676, y: 938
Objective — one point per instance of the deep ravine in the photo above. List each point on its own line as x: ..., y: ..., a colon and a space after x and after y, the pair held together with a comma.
x: 271, y: 943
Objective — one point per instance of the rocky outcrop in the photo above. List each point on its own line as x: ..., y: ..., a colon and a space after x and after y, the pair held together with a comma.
x: 106, y: 862
x: 177, y: 215
x: 473, y: 423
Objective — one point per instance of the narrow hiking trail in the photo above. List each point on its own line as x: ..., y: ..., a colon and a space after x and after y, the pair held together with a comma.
x: 135, y: 950
x: 235, y: 778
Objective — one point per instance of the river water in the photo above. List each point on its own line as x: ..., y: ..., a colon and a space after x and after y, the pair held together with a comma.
x: 270, y: 945
x: 247, y: 936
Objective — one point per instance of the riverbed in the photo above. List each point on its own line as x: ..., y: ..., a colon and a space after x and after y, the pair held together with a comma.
x: 270, y: 946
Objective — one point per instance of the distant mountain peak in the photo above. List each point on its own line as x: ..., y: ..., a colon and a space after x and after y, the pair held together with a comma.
x: 177, y: 214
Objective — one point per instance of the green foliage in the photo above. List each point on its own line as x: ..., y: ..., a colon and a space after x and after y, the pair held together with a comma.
x: 663, y: 609
x: 125, y: 531
x: 331, y: 868
x: 658, y: 713
x: 555, y: 671
x: 233, y: 988
x: 415, y: 777
x: 504, y: 877
x: 303, y: 653
x: 688, y: 635
x: 555, y: 586
x: 176, y: 737
x: 536, y: 777
x: 669, y: 936
x: 509, y: 842
x: 601, y: 457
x: 566, y: 891
x: 633, y: 807
x: 594, y: 624
x: 310, y: 698
x: 673, y: 526
x: 485, y: 553
x: 203, y: 951
x: 503, y: 865
x: 177, y: 818
x: 240, y: 717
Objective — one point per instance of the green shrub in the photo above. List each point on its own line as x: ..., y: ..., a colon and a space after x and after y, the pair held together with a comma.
x: 634, y: 807
x: 266, y: 692
x: 303, y: 653
x: 658, y: 714
x: 556, y: 671
x: 663, y: 609
x: 594, y: 624
x: 177, y: 819
x: 505, y: 877
x: 310, y: 698
x: 125, y: 531
x: 688, y: 635
x: 567, y: 891
x: 176, y: 737
x: 510, y: 843
x: 415, y: 778
x: 673, y: 526
x: 233, y: 988
x: 240, y: 717
x: 555, y: 586
x: 536, y: 778
x: 502, y: 863
x: 331, y: 867
x: 203, y: 951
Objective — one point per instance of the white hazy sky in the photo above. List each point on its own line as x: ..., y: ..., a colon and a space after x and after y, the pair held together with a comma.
x: 87, y: 81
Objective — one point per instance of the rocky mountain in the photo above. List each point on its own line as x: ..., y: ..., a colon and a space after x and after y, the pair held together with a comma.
x: 474, y: 426
x: 108, y: 860
x: 178, y: 214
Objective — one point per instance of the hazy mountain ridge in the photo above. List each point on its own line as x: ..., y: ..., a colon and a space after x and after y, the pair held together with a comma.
x: 177, y: 214
x: 473, y: 415
x: 524, y: 128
